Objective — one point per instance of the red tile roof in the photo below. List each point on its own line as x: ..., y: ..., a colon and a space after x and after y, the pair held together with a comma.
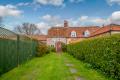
x: 66, y: 31
x: 57, y: 32
x: 40, y: 37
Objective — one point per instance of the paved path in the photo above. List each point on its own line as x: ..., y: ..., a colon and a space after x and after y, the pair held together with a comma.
x: 72, y: 70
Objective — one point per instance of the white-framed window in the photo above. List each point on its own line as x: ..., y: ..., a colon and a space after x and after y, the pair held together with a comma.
x: 86, y: 33
x: 52, y: 45
x: 73, y: 34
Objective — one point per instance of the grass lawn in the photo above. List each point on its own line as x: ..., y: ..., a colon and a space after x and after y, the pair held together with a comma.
x: 52, y: 67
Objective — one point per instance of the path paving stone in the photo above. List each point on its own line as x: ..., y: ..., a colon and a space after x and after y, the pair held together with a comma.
x: 78, y: 78
x: 72, y: 70
x: 69, y: 65
x: 70, y: 78
x: 66, y: 61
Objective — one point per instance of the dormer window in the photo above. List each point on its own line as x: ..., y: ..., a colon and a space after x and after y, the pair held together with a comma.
x: 86, y: 33
x: 73, y: 34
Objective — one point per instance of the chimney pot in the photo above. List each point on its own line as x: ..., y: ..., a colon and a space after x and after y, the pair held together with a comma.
x: 65, y: 23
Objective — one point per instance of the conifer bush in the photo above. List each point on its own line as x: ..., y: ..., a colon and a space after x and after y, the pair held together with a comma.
x: 102, y: 53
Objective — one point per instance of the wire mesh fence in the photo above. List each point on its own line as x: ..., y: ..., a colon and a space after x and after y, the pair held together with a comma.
x: 14, y: 49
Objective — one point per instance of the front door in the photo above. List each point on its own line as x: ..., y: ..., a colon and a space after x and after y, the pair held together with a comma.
x: 58, y: 47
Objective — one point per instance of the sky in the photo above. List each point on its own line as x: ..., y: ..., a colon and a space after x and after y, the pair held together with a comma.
x: 48, y: 13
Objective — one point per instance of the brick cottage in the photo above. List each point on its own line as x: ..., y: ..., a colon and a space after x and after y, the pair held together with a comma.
x: 67, y: 34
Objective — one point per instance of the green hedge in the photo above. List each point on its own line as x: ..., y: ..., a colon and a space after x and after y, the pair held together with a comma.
x: 102, y: 53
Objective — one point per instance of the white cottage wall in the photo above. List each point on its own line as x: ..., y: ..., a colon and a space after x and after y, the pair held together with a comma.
x: 52, y: 41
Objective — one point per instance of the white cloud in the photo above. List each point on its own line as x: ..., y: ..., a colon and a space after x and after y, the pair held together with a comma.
x: 50, y: 17
x: 73, y: 22
x: 115, y: 17
x: 52, y: 20
x: 11, y: 6
x: 83, y: 18
x: 98, y: 21
x: 49, y: 21
x: 43, y: 27
x: 75, y: 1
x: 9, y: 10
x: 47, y: 17
x: 23, y: 4
x: 83, y: 21
x: 51, y: 2
x: 111, y: 2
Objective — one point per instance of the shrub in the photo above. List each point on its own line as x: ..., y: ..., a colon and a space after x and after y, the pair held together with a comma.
x: 52, y: 49
x: 42, y: 49
x: 102, y: 53
x: 64, y: 47
x: 1, y: 71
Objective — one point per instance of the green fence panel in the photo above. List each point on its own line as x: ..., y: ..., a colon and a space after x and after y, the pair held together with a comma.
x: 1, y: 56
x: 14, y: 49
x: 10, y: 54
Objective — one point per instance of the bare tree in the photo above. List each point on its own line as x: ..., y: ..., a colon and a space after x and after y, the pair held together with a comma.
x: 28, y: 29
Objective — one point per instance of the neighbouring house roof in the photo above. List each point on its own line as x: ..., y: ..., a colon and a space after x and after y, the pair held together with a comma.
x: 116, y: 28
x: 106, y: 29
x: 40, y: 37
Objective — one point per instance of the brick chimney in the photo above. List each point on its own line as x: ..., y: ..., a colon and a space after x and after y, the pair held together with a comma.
x: 65, y: 23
